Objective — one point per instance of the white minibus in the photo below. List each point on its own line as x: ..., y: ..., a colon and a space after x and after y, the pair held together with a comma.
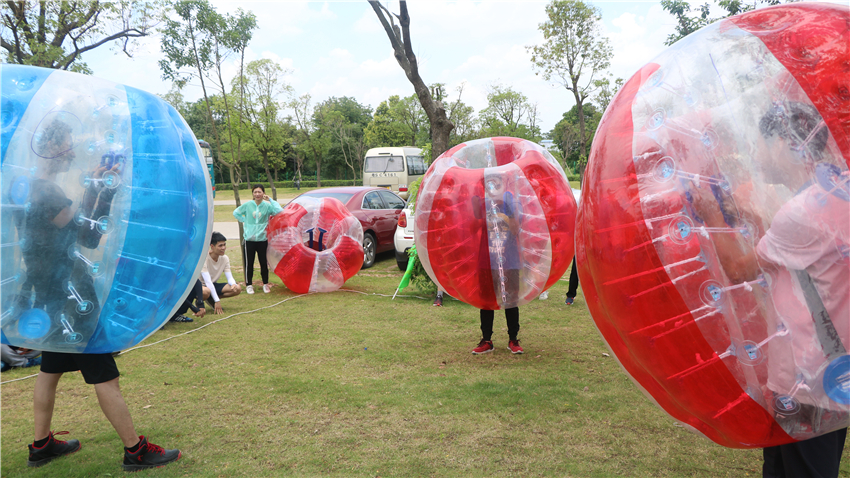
x: 393, y: 168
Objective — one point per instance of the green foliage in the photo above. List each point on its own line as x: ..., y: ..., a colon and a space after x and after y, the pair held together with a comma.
x: 421, y: 280
x: 308, y: 184
x: 574, y: 54
x: 54, y: 34
x: 686, y: 23
x: 566, y: 136
x: 509, y: 113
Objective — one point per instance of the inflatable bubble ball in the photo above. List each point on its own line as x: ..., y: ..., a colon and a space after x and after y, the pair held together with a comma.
x: 105, y: 211
x: 315, y: 245
x: 712, y: 239
x: 494, y: 222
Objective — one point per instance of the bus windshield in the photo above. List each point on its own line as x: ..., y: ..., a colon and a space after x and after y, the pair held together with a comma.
x: 383, y: 164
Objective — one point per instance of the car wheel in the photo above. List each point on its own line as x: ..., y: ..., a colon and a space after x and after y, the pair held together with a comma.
x: 402, y: 265
x: 370, y: 248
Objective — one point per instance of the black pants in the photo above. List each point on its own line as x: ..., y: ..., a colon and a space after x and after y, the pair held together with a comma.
x: 197, y: 293
x: 512, y: 317
x: 573, y: 290
x: 259, y: 248
x: 817, y: 457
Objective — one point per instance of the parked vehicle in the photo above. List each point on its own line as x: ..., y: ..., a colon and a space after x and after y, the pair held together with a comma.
x: 377, y: 209
x: 403, y: 237
x: 393, y: 168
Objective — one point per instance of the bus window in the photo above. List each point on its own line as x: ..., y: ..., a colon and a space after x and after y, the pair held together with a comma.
x: 383, y: 164
x: 415, y: 166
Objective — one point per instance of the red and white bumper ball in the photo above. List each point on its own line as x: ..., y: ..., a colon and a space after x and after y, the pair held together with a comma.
x: 315, y: 245
x: 747, y: 118
x: 494, y: 222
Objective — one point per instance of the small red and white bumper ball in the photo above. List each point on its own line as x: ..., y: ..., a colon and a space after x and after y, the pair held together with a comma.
x: 731, y: 145
x: 494, y: 222
x: 315, y: 245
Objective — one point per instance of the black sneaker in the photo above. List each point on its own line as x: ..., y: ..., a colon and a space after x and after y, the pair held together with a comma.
x: 182, y: 318
x: 148, y: 455
x: 52, y: 449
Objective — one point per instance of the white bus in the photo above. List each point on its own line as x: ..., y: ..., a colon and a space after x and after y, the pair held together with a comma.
x: 393, y: 168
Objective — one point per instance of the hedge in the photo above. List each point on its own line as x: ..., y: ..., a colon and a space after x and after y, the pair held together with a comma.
x: 289, y: 184
x: 326, y: 183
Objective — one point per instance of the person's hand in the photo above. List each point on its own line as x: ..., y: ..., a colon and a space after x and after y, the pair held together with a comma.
x: 200, y: 313
x: 218, y: 309
x: 266, y: 197
x: 708, y: 208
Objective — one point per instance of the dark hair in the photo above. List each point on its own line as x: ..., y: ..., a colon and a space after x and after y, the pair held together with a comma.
x: 258, y: 186
x: 51, y: 137
x: 216, y: 238
x: 798, y: 123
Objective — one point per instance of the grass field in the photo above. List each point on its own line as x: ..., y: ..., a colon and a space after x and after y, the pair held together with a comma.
x: 352, y: 383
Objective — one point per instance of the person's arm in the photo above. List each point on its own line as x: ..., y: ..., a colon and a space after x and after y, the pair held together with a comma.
x: 275, y: 207
x: 239, y: 212
x: 737, y: 258
x: 230, y: 279
x: 209, y: 283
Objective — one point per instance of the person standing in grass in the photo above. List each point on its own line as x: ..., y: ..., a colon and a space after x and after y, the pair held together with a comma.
x: 50, y: 228
x: 499, y: 252
x: 255, y: 215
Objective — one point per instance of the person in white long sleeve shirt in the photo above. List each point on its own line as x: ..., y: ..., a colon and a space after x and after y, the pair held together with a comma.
x: 216, y: 264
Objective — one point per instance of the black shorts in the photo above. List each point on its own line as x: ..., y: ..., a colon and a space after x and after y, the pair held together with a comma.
x: 96, y: 368
x: 219, y: 289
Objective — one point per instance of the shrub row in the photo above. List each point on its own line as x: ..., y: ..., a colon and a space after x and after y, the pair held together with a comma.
x: 325, y: 183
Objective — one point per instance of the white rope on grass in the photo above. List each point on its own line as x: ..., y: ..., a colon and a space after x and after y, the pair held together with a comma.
x: 225, y: 318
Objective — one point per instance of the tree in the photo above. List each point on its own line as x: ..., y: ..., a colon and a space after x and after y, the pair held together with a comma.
x: 54, y: 34
x: 262, y: 111
x: 384, y: 130
x: 408, y: 111
x: 573, y: 53
x: 308, y: 139
x: 463, y: 117
x: 195, y: 45
x: 606, y: 92
x: 566, y: 135
x: 399, y: 36
x: 341, y: 122
x: 508, y: 113
x: 687, y: 24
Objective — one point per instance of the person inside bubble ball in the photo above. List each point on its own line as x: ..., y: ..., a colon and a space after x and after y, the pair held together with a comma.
x: 255, y: 215
x: 499, y: 252
x: 802, y: 246
x: 217, y: 264
x: 50, y: 231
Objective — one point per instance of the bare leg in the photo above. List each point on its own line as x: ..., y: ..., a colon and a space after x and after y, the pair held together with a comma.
x: 44, y: 396
x: 231, y: 290
x: 112, y: 403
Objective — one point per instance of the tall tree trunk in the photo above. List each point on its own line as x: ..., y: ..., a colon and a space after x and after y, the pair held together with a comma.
x: 269, y: 175
x: 441, y: 126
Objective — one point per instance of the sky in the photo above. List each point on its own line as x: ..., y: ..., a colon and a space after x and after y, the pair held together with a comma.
x: 340, y: 49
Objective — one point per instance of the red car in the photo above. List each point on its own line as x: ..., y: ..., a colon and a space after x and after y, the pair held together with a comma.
x: 376, y: 208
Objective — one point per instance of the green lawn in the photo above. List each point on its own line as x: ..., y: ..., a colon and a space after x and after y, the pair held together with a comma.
x: 355, y: 384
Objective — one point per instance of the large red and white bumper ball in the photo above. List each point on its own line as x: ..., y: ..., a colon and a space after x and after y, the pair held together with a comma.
x: 717, y: 116
x: 494, y: 222
x: 315, y: 245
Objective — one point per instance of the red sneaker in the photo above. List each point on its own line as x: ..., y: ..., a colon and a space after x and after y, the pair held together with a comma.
x: 484, y: 347
x: 514, y: 347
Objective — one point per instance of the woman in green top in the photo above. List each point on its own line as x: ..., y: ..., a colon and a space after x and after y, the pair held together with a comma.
x: 255, y: 215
